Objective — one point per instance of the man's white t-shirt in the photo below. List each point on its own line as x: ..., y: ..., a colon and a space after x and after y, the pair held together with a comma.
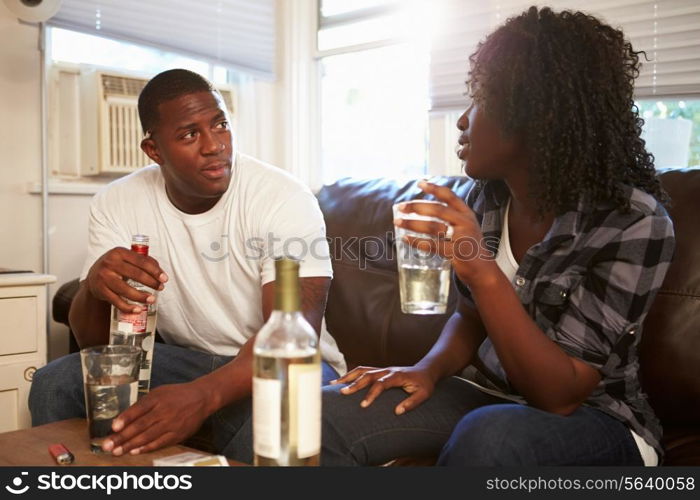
x: 217, y: 261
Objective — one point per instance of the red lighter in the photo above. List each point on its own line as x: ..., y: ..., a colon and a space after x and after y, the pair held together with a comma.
x: 61, y: 454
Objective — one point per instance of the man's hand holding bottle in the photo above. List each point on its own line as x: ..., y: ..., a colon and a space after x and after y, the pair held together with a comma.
x: 107, y: 277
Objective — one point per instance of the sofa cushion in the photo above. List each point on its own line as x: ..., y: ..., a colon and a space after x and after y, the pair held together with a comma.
x: 670, y: 346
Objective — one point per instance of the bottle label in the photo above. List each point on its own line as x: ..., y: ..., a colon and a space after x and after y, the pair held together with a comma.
x: 305, y: 409
x: 125, y: 327
x: 136, y: 321
x: 267, y: 395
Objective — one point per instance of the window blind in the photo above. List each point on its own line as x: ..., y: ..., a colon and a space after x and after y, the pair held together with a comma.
x: 234, y: 33
x: 667, y: 30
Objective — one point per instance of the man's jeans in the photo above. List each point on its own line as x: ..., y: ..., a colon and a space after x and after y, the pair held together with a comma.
x: 57, y: 394
x: 465, y: 426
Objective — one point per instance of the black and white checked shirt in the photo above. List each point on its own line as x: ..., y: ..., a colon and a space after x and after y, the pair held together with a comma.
x: 588, y: 285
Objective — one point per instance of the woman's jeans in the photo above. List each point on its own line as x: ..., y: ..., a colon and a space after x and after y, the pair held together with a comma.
x: 464, y: 426
x: 57, y: 394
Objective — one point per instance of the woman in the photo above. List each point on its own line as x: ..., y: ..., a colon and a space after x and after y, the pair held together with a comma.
x: 548, y: 329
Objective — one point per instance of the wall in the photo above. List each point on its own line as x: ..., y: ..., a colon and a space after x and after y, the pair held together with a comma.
x: 68, y: 221
x: 20, y: 144
x: 21, y: 234
x: 20, y: 168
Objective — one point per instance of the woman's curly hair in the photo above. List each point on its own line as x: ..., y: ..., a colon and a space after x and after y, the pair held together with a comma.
x: 564, y: 83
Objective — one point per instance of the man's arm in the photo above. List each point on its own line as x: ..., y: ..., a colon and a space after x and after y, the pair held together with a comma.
x: 179, y: 409
x: 314, y: 292
x: 89, y: 318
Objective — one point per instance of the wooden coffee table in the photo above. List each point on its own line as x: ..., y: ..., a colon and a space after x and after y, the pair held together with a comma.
x: 31, y: 447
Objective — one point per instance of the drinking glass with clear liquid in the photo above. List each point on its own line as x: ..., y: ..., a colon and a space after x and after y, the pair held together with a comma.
x: 424, y: 277
x: 111, y: 379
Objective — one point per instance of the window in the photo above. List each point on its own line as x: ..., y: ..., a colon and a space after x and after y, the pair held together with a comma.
x: 374, y: 112
x: 374, y: 90
x: 672, y: 131
x: 80, y: 48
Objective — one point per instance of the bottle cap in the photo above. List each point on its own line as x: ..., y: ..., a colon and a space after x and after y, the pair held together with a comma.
x: 139, y: 244
x: 287, y: 292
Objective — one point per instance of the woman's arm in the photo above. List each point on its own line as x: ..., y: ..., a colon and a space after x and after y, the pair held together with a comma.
x: 536, y: 366
x: 545, y: 375
x: 457, y: 345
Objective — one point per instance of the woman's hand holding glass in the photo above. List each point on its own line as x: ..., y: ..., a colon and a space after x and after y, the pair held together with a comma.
x: 471, y: 260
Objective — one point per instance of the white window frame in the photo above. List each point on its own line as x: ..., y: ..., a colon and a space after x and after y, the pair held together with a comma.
x: 300, y: 91
x: 438, y: 162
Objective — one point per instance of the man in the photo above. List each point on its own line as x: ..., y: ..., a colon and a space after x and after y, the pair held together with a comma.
x: 216, y: 220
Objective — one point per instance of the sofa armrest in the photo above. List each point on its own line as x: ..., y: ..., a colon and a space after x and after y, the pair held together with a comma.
x: 62, y: 300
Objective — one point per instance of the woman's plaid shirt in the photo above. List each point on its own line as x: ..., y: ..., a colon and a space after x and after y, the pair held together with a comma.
x: 589, y: 285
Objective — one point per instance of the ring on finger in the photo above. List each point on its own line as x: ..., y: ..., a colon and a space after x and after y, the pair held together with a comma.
x: 450, y: 232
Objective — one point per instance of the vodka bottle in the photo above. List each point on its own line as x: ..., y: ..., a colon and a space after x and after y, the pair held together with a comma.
x: 286, y: 380
x: 137, y: 328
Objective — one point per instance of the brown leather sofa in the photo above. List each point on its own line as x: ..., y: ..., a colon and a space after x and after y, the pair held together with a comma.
x: 364, y: 316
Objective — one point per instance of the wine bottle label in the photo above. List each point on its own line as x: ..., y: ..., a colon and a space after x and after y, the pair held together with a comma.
x: 267, y: 394
x: 305, y: 408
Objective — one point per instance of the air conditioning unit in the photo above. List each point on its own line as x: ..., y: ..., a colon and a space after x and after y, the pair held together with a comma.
x: 109, y: 123
x: 111, y: 130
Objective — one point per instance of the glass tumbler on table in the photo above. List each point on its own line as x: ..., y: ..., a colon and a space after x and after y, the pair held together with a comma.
x: 111, y: 379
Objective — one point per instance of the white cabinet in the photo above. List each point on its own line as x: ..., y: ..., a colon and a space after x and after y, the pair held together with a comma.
x: 23, y: 320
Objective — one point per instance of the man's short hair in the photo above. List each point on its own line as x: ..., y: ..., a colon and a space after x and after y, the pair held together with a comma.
x: 164, y: 87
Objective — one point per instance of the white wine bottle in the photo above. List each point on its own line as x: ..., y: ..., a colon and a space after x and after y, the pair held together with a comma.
x: 287, y: 380
x: 137, y: 328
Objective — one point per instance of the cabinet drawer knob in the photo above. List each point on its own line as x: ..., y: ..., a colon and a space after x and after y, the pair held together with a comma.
x: 29, y: 373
